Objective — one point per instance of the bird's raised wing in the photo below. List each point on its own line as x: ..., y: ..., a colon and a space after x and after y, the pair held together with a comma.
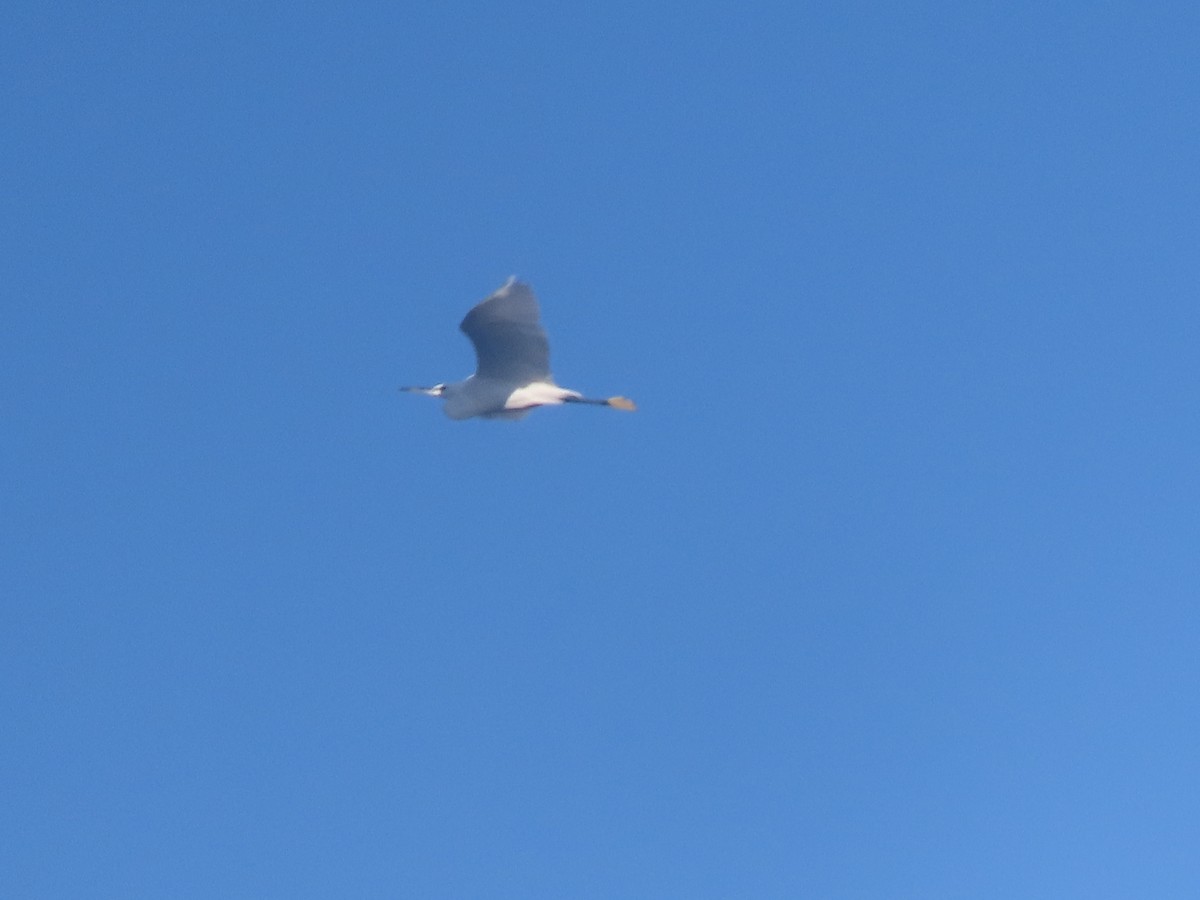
x: 510, y: 344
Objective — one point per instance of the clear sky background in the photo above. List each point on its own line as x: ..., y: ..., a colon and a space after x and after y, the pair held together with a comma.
x: 888, y: 590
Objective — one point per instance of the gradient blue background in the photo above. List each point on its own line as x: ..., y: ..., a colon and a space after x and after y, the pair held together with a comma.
x: 888, y: 590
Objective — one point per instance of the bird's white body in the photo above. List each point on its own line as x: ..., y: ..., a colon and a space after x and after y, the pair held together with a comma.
x: 512, y: 375
x: 539, y: 393
x: 463, y: 399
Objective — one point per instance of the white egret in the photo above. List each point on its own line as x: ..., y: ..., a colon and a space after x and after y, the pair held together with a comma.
x: 512, y: 372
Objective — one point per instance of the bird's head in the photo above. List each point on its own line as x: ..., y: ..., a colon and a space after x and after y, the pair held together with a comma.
x: 436, y: 391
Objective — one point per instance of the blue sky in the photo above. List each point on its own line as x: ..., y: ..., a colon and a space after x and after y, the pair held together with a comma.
x: 888, y: 590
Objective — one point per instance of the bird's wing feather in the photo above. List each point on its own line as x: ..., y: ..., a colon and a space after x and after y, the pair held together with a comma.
x: 510, y: 344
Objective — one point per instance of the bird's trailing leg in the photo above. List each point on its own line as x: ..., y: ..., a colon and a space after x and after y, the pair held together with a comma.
x: 615, y: 402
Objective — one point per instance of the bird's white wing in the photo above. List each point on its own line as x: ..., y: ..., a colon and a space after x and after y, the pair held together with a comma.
x: 510, y: 344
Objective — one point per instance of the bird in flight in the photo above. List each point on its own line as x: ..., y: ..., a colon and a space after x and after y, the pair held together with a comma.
x: 512, y: 372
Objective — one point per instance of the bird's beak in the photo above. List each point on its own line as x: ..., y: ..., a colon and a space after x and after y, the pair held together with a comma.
x: 431, y: 392
x: 621, y: 403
